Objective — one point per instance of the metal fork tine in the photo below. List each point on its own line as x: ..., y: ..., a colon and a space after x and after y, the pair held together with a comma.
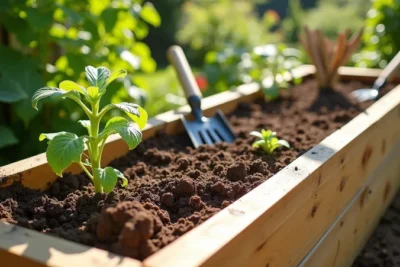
x: 206, y: 137
x: 197, y: 139
x: 214, y: 135
x: 223, y: 134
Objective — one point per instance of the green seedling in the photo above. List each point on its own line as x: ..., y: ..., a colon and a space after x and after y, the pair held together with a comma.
x: 268, y: 141
x: 64, y: 148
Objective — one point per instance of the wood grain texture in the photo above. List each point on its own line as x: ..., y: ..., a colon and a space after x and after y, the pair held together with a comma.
x: 348, y: 234
x: 22, y: 247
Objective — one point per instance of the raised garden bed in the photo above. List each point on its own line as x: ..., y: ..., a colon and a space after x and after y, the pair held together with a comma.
x: 296, y: 216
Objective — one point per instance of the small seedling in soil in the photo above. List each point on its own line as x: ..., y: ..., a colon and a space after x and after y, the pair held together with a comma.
x: 64, y: 148
x: 268, y: 141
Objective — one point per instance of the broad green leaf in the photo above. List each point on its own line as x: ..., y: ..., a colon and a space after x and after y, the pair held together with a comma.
x: 142, y: 119
x: 49, y: 136
x: 7, y: 137
x: 71, y: 86
x: 29, y: 80
x: 109, y: 17
x: 116, y: 75
x: 39, y: 18
x: 108, y: 178
x: 10, y: 91
x: 126, y: 129
x: 135, y: 112
x: 93, y: 92
x: 47, y: 92
x: 150, y: 14
x: 257, y: 134
x: 63, y: 150
x: 97, y: 76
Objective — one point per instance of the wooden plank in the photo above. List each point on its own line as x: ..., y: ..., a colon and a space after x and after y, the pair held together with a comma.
x: 23, y: 247
x: 347, y: 236
x: 283, y: 218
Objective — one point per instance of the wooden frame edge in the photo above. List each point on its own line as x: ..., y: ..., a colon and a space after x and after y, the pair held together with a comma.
x: 343, y: 241
x: 30, y: 248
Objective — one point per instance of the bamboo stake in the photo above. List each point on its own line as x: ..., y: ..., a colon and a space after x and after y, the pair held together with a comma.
x: 328, y: 56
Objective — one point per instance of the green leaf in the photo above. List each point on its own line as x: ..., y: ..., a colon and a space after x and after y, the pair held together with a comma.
x: 93, y: 92
x: 7, y: 137
x: 284, y: 143
x: 142, y: 119
x: 127, y: 130
x: 39, y: 18
x: 97, y: 76
x: 258, y: 143
x: 72, y: 86
x: 257, y: 134
x: 108, y: 178
x: 135, y: 112
x: 150, y: 15
x: 85, y: 123
x: 10, y: 91
x: 47, y: 92
x: 122, y: 177
x: 116, y: 75
x: 109, y: 17
x: 28, y: 80
x: 49, y: 136
x: 267, y: 134
x: 73, y: 16
x: 63, y: 150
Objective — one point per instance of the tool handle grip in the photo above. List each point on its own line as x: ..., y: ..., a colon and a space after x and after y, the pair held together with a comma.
x: 182, y: 68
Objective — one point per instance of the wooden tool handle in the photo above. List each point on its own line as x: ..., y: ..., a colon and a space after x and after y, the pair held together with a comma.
x: 391, y: 67
x: 185, y: 75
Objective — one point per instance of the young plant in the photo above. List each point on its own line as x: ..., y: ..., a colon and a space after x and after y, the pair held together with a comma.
x: 64, y: 148
x: 268, y: 141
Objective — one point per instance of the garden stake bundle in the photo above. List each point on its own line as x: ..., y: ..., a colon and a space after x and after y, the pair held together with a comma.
x: 327, y: 56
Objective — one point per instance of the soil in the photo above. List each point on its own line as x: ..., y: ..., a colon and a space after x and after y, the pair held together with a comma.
x: 383, y: 248
x: 173, y: 187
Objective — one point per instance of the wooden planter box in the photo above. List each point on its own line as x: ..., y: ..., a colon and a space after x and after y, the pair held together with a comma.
x: 318, y: 211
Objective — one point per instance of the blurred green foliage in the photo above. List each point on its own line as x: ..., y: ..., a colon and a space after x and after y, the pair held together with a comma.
x: 293, y: 24
x: 214, y: 25
x: 159, y: 39
x: 331, y: 16
x: 235, y: 66
x: 381, y: 38
x: 47, y: 41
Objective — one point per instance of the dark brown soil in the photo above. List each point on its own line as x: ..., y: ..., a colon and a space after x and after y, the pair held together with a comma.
x: 173, y: 187
x: 383, y: 248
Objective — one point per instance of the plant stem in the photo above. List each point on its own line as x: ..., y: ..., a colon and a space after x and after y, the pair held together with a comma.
x: 94, y: 146
x: 86, y: 170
